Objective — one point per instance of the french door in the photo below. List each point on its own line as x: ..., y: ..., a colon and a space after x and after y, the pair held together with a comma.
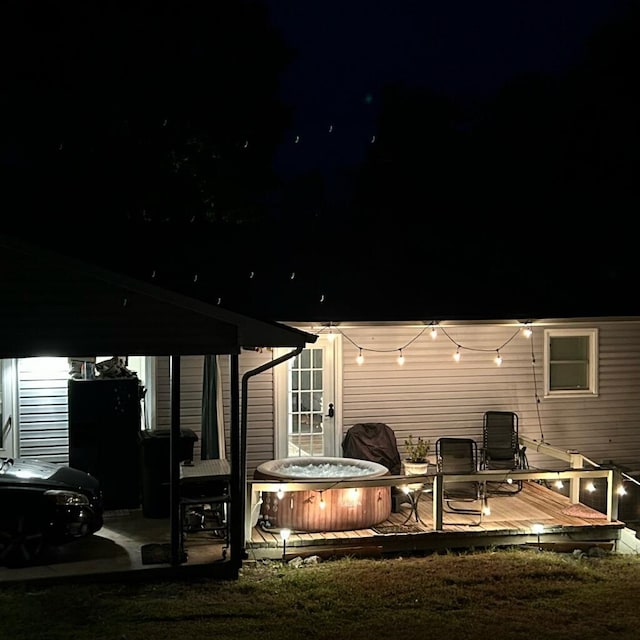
x: 307, y: 409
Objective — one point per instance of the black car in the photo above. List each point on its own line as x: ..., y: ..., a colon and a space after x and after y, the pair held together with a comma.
x: 42, y: 504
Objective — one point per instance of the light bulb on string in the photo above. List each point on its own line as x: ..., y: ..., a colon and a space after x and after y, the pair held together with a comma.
x: 527, y: 331
x: 434, y: 332
x: 401, y: 358
x: 360, y: 358
x: 457, y: 355
x: 498, y: 358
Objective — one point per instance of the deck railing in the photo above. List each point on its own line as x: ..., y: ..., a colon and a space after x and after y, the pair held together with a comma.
x: 573, y: 475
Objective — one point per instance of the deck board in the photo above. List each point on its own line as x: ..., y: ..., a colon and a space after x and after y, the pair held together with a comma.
x: 510, y: 522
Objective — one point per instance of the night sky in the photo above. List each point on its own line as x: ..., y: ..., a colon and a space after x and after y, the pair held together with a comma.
x: 327, y: 159
x: 347, y: 52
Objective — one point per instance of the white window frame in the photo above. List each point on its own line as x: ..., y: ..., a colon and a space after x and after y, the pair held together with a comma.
x: 591, y: 364
x: 145, y: 367
x: 333, y: 368
x: 8, y: 415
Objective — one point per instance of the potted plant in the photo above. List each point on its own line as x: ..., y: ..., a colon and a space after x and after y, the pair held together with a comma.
x: 417, y: 460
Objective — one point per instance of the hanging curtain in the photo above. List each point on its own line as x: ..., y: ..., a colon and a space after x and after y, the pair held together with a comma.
x: 212, y: 445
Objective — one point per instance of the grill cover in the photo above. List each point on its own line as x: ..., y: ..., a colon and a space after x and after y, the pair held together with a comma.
x: 374, y: 441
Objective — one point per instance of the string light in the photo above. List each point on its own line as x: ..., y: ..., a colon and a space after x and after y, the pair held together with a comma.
x: 527, y: 331
x: 591, y: 487
x: 457, y: 356
x: 322, y: 504
x: 280, y: 494
x: 621, y: 491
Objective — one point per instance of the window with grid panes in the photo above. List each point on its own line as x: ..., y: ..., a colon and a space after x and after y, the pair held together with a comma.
x: 571, y: 362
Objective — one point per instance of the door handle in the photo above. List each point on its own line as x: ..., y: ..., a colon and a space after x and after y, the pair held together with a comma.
x: 331, y: 410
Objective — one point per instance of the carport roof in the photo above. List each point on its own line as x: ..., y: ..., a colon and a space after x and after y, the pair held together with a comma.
x: 55, y: 305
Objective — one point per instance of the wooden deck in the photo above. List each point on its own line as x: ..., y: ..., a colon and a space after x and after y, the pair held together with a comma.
x: 510, y: 523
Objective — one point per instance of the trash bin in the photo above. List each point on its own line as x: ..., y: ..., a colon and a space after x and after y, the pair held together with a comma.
x: 155, y: 469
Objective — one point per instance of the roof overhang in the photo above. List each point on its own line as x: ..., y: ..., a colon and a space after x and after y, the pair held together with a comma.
x: 54, y: 305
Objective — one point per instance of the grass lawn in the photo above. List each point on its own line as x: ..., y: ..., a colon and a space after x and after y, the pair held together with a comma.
x: 496, y: 595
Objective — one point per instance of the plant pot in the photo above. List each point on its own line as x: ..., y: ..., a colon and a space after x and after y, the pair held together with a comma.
x: 416, y: 468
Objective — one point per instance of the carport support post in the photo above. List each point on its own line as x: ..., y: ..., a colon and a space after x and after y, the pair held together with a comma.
x: 237, y: 480
x: 174, y: 462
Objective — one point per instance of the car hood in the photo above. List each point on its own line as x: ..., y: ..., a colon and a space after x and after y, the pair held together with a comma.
x: 41, y: 470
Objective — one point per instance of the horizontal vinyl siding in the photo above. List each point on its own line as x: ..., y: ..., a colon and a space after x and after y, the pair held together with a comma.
x: 431, y: 395
x: 43, y: 413
x: 260, y: 428
x: 260, y: 402
x: 191, y: 379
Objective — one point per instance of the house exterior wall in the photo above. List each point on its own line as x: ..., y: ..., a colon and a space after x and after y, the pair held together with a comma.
x: 191, y: 379
x: 260, y: 409
x: 431, y: 395
x: 42, y: 406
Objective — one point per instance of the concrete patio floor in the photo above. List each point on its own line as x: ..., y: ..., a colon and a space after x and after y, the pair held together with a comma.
x: 115, y: 549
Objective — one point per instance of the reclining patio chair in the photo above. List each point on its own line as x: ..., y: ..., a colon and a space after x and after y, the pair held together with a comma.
x: 460, y: 456
x: 501, y: 449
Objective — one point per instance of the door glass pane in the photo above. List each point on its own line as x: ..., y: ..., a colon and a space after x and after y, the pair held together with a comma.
x: 306, y: 432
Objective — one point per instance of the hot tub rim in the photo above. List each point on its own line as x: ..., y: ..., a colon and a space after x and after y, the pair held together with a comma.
x: 266, y: 469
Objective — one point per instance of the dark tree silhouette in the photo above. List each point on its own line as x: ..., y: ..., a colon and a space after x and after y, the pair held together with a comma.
x: 522, y: 197
x: 136, y: 118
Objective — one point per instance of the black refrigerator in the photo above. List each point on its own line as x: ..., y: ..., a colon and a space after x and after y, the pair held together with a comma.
x: 104, y: 436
